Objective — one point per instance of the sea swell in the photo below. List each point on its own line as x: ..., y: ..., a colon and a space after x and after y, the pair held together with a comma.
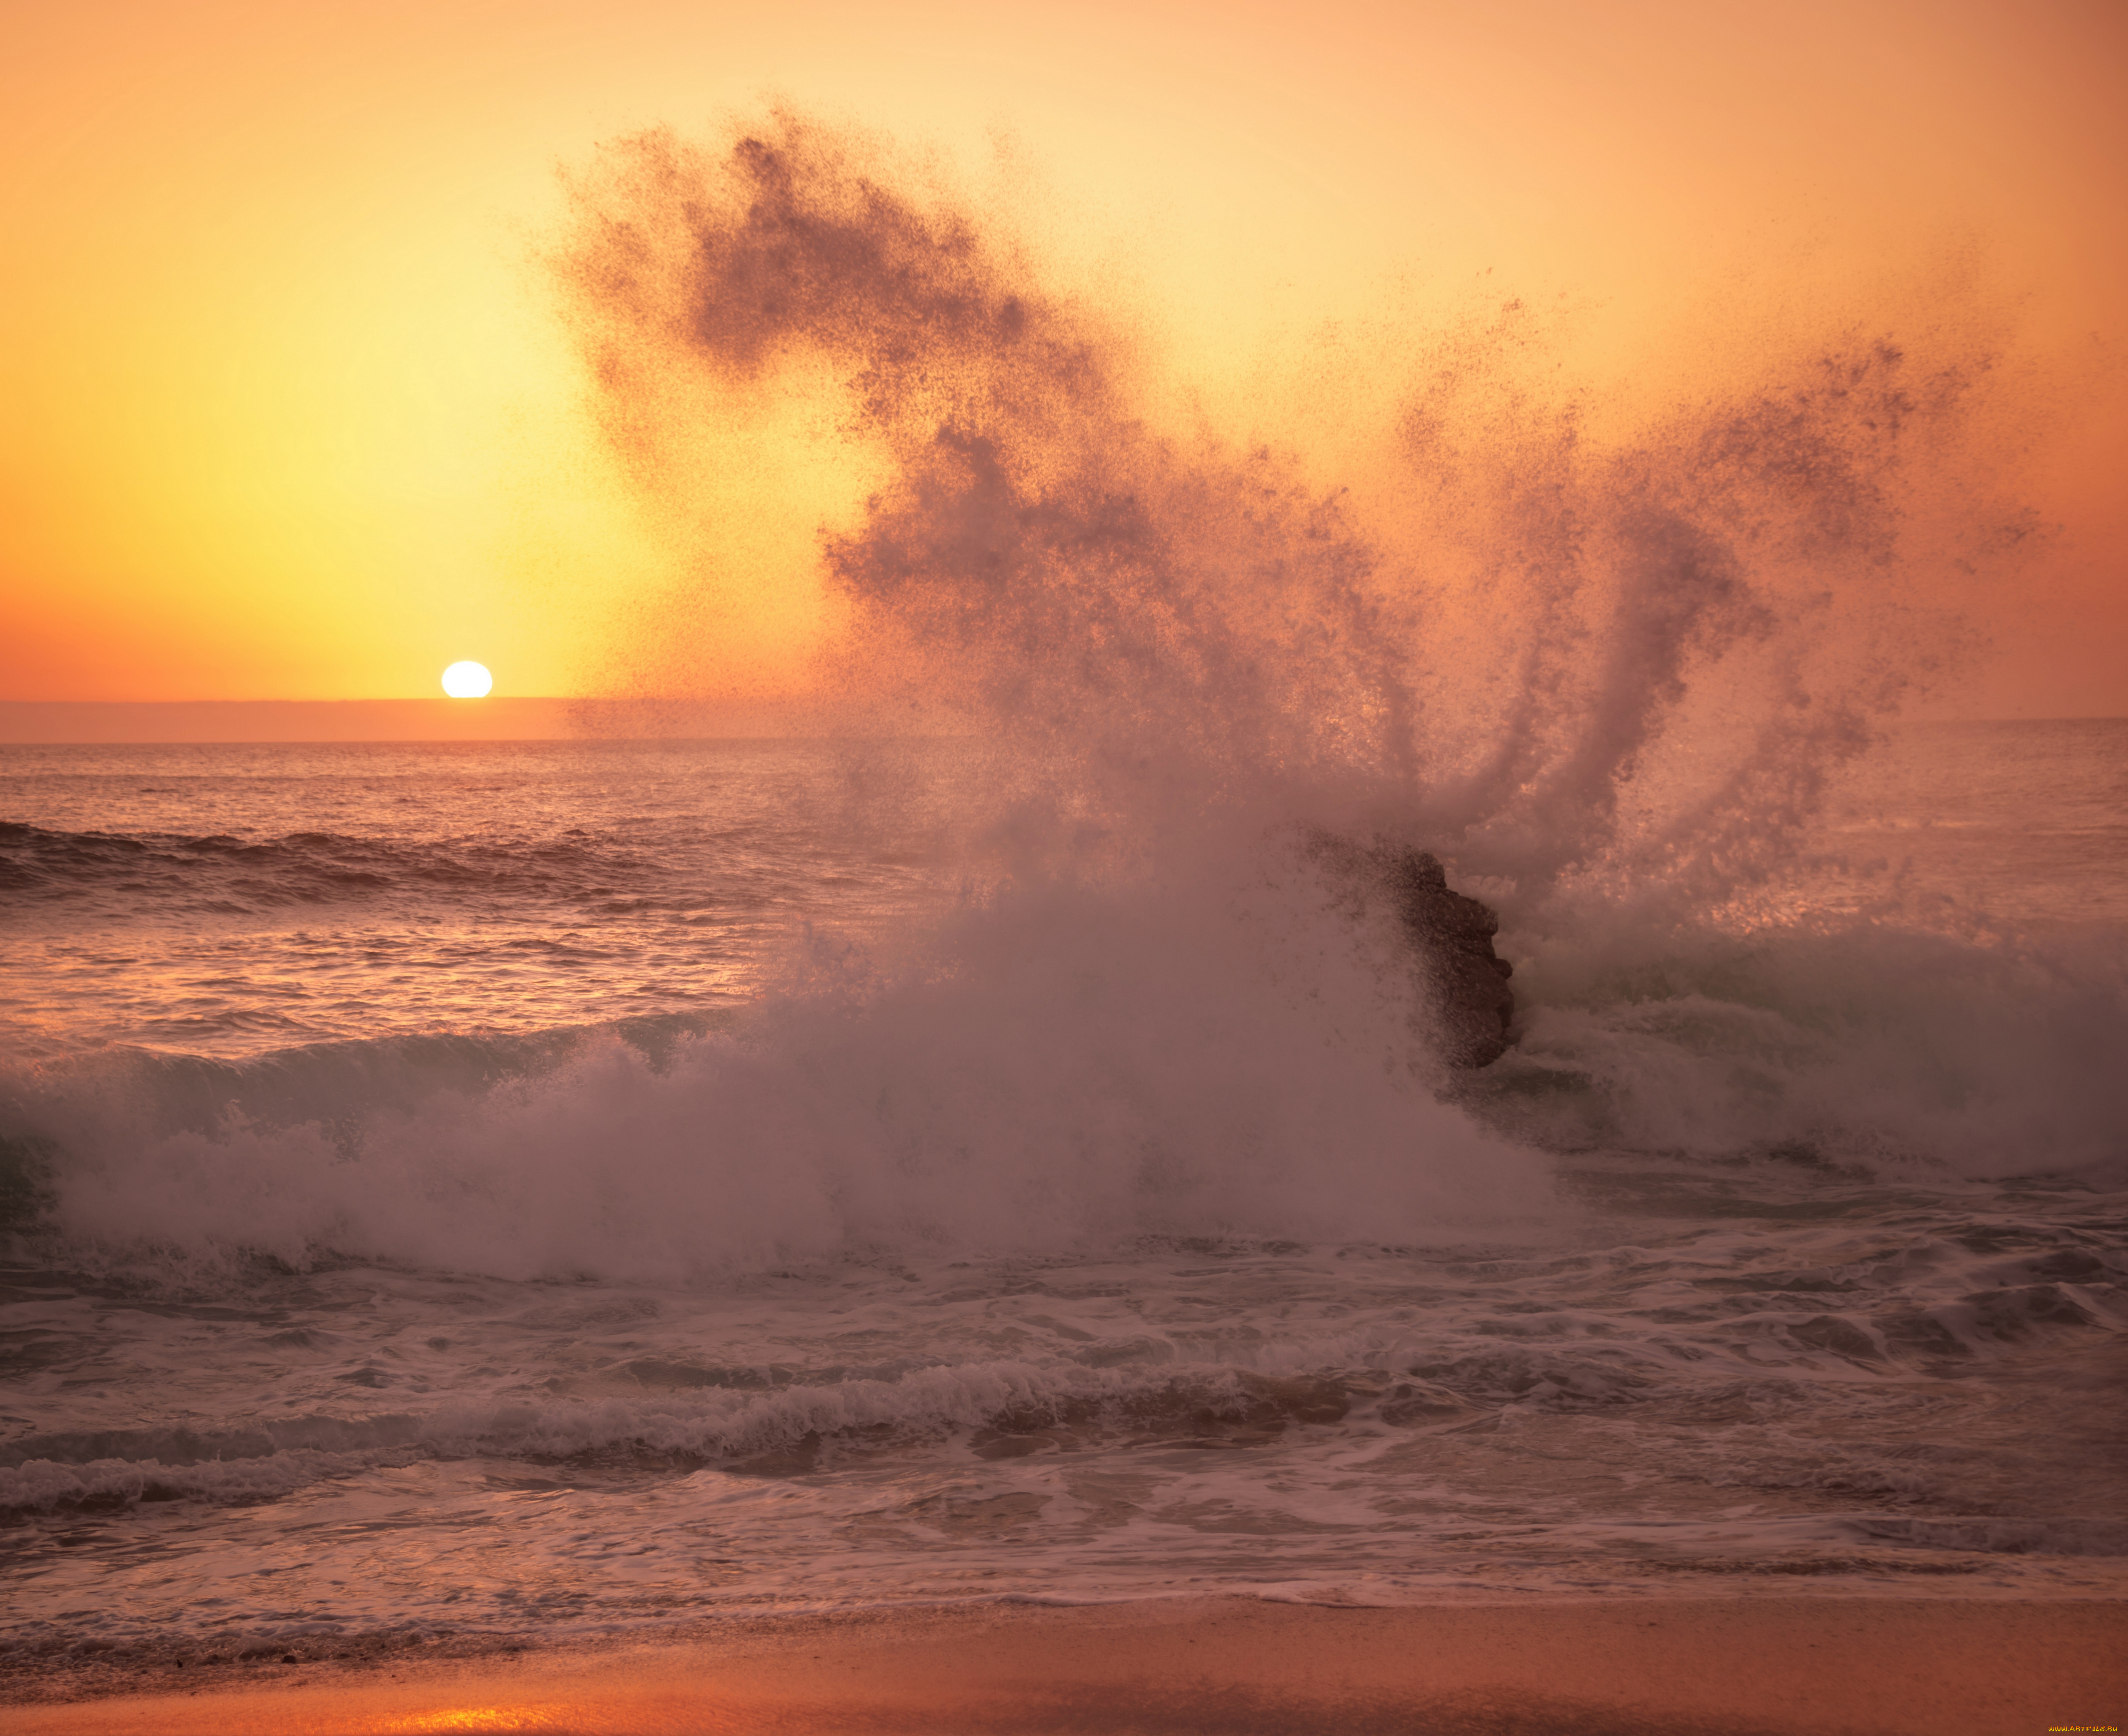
x: 1610, y: 682
x: 1012, y: 1144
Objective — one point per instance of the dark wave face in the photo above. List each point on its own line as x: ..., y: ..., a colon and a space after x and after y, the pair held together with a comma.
x: 177, y: 876
x: 467, y: 888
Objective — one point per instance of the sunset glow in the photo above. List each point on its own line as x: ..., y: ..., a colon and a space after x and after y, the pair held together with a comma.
x: 1161, y: 867
x: 300, y: 413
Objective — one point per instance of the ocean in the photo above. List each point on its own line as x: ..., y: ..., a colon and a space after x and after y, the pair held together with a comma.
x: 502, y: 1194
x: 492, y: 1195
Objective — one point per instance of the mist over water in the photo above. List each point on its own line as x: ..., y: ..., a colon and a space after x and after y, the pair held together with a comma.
x: 1004, y: 1146
x: 1088, y: 974
x: 1609, y: 681
x: 1635, y: 683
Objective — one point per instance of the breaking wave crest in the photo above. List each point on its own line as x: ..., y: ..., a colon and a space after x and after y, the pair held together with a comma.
x: 1606, y: 680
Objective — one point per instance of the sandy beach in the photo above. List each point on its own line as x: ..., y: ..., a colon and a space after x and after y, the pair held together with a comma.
x: 1742, y: 1667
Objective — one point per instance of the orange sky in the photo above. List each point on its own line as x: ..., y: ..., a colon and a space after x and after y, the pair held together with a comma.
x: 287, y: 413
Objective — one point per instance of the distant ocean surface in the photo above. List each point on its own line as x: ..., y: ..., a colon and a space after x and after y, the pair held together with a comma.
x: 519, y: 1190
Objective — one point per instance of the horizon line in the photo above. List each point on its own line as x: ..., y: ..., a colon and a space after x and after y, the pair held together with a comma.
x: 444, y: 700
x: 495, y: 717
x: 501, y: 718
x: 425, y: 699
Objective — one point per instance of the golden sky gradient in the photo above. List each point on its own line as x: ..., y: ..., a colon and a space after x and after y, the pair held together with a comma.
x: 287, y: 411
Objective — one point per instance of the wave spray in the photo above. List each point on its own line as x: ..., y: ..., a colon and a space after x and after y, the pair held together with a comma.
x: 1608, y: 682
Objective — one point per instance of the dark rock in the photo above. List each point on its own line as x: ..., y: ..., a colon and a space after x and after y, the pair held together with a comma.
x: 1452, y: 935
x: 1464, y: 982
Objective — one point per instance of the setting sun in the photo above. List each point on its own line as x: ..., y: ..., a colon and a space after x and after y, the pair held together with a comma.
x: 467, y: 681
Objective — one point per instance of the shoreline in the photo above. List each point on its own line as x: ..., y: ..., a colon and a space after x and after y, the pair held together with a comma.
x: 1749, y: 1666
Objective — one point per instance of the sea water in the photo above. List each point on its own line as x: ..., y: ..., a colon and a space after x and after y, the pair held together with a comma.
x: 1001, y: 1147
x: 512, y: 1191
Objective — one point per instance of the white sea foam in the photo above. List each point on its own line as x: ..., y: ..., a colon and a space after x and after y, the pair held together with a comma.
x: 1017, y: 1162
x: 1062, y: 1089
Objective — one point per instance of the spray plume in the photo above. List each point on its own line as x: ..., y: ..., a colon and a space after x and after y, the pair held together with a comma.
x: 1626, y: 665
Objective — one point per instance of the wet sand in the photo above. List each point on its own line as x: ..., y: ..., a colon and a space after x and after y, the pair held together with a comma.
x: 1239, y: 1667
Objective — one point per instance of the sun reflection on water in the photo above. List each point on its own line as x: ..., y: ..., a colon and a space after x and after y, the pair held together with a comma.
x: 477, y: 1718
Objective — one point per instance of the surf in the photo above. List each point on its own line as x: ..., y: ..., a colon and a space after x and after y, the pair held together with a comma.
x: 1121, y: 680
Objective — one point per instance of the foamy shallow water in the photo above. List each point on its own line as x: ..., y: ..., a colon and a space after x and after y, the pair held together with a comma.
x: 1869, y: 1386
x: 1078, y: 1262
